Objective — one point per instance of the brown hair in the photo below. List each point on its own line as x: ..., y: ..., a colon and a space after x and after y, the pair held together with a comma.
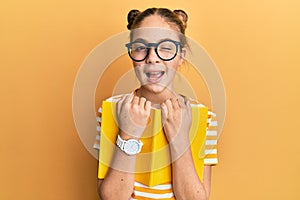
x: 185, y: 17
x: 136, y: 17
x: 130, y: 17
x: 182, y: 14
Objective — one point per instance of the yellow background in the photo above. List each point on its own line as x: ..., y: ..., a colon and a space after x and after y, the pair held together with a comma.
x: 254, y: 43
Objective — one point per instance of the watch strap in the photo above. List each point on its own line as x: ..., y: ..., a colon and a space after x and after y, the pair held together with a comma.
x: 121, y: 144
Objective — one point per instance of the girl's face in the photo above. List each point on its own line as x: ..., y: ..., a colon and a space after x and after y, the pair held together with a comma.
x: 155, y: 74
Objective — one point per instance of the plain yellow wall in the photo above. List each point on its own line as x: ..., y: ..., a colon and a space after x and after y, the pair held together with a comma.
x: 255, y: 44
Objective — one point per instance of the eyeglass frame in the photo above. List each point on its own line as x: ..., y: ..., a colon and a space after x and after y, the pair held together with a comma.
x: 155, y: 45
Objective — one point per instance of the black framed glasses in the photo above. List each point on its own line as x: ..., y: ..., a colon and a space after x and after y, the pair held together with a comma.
x: 166, y: 50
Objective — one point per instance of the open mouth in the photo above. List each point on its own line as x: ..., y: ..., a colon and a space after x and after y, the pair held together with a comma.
x: 155, y: 74
x: 154, y: 77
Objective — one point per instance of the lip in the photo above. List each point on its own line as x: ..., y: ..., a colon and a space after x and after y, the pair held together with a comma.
x: 154, y: 76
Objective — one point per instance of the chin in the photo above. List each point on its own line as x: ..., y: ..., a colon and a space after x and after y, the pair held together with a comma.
x: 154, y: 88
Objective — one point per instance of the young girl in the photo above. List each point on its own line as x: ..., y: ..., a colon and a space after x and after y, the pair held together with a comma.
x: 157, y: 48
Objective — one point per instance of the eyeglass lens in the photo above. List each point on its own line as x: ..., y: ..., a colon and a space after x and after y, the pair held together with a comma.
x: 165, y: 50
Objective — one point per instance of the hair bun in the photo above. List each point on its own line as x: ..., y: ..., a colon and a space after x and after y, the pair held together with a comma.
x: 130, y: 18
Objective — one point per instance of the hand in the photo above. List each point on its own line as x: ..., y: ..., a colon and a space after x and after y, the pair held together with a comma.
x: 133, y: 113
x: 176, y: 119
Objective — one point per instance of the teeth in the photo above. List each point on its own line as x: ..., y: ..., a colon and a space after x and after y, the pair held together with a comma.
x: 154, y: 74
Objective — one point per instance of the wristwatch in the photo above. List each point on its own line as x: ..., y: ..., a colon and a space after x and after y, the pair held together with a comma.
x: 130, y: 147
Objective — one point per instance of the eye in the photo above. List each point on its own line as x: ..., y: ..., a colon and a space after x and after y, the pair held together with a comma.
x: 167, y: 46
x: 138, y: 47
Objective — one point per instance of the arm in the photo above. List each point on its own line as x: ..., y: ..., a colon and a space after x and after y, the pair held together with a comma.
x: 186, y: 183
x: 176, y: 115
x: 133, y: 114
x: 119, y: 181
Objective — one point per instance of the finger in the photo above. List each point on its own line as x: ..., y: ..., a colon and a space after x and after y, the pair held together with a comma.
x: 148, y: 106
x: 188, y: 105
x: 186, y: 99
x: 129, y: 97
x: 164, y: 111
x: 142, y: 101
x: 124, y: 101
x: 181, y: 101
x: 123, y: 98
x: 169, y: 105
x: 120, y: 103
x: 187, y: 102
x: 175, y: 103
x: 135, y: 100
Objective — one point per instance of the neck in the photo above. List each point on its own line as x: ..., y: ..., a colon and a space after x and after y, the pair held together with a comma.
x: 156, y: 98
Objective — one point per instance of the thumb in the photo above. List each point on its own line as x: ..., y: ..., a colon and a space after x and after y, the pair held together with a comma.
x: 164, y: 112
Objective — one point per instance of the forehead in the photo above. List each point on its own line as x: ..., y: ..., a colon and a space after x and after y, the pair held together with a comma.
x: 154, y: 34
x: 153, y: 29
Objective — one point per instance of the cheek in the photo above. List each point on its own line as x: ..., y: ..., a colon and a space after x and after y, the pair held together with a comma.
x: 135, y: 64
x: 171, y: 69
x: 174, y: 64
x: 139, y: 72
x: 138, y: 64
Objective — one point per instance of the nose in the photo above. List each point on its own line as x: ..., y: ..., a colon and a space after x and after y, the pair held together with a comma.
x: 152, y: 56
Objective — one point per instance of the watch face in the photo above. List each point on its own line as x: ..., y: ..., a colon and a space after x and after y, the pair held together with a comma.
x: 132, y: 147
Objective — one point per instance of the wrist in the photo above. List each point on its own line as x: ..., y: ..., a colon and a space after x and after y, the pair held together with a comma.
x: 178, y: 137
x: 129, y: 146
x: 126, y: 136
x: 179, y: 145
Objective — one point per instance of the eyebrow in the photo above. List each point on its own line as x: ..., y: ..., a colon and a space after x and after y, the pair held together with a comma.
x: 145, y: 41
x: 140, y: 40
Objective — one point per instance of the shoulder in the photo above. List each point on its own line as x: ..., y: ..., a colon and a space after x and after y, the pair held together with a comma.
x: 211, y: 115
x: 196, y: 103
x: 116, y: 97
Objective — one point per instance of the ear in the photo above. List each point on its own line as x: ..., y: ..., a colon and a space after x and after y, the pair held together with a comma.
x: 182, y: 55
